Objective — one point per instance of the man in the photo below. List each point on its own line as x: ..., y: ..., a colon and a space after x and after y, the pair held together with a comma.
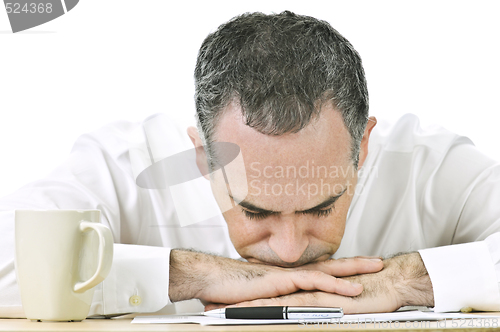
x: 323, y: 181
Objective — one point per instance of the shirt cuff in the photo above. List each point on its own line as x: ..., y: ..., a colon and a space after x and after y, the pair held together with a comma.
x: 462, y: 276
x: 138, y: 281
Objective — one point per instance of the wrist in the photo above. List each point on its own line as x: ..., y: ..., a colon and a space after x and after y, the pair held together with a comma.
x: 411, y: 281
x: 184, y: 276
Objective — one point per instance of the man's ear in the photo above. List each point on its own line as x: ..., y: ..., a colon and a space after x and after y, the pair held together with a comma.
x: 201, y: 157
x: 363, y: 152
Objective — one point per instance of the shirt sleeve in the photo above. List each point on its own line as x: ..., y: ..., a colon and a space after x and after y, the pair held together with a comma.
x: 464, y: 275
x: 467, y: 273
x: 137, y: 282
x: 97, y: 175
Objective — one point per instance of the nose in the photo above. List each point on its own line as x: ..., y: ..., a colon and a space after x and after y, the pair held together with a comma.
x: 289, y: 238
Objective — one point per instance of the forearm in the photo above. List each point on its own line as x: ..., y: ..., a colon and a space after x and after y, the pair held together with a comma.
x: 216, y: 279
x: 193, y: 274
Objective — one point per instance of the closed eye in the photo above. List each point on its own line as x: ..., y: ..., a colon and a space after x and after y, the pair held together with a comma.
x: 320, y: 210
x: 318, y: 213
x: 257, y: 215
x: 264, y: 215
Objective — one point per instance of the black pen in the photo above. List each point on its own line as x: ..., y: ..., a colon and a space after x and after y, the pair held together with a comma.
x: 276, y: 312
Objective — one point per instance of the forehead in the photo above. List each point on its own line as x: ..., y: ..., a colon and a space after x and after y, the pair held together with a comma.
x: 324, y: 141
x: 295, y: 171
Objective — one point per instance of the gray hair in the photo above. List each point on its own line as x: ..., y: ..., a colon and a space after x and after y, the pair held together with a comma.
x: 279, y: 68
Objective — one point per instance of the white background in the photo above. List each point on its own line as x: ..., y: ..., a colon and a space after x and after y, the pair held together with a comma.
x: 109, y: 60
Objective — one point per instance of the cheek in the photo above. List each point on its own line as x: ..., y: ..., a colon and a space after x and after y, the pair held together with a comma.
x: 331, y: 229
x: 243, y: 232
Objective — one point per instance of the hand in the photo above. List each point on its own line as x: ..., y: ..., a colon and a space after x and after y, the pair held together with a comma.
x: 403, y: 281
x: 223, y: 280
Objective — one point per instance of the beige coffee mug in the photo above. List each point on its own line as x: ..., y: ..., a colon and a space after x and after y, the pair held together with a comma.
x: 60, y: 256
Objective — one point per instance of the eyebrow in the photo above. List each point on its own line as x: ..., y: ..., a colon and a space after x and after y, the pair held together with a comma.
x: 327, y: 202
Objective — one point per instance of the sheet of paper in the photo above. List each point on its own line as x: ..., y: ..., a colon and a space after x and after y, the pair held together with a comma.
x: 361, y: 319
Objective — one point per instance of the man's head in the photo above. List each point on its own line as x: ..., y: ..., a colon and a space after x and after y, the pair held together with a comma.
x: 291, y: 92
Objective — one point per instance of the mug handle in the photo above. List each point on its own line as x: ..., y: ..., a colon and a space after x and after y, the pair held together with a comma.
x: 105, y: 256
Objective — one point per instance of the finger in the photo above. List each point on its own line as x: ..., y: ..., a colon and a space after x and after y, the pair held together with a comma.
x: 317, y: 280
x: 347, y: 266
x: 213, y: 306
x: 254, y: 303
x: 316, y: 299
x: 296, y: 299
x: 367, y: 257
x: 344, y: 267
x: 262, y: 303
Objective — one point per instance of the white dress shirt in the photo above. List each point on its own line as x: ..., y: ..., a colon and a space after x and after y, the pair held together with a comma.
x: 427, y: 190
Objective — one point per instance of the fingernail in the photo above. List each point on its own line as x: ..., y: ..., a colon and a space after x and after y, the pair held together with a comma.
x: 367, y: 257
x: 350, y: 283
x: 373, y: 259
x: 355, y: 284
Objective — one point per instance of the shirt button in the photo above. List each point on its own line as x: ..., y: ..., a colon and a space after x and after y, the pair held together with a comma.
x: 135, y: 300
